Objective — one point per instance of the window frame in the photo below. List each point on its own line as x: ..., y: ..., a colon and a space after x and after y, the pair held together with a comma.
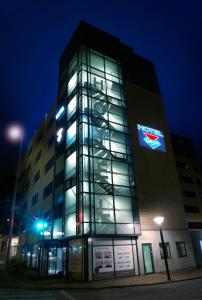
x: 178, y: 249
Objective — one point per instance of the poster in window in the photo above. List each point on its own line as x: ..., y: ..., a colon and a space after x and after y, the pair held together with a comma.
x: 123, y: 258
x: 103, y: 259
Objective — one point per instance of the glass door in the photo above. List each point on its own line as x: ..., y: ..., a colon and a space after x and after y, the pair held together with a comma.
x: 148, y: 258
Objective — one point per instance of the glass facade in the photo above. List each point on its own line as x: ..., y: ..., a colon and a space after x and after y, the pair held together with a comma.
x: 100, y: 191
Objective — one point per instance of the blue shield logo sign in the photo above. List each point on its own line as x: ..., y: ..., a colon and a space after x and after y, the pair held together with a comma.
x: 151, y: 138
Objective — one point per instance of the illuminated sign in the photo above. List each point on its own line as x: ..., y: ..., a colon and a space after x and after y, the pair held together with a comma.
x: 151, y: 138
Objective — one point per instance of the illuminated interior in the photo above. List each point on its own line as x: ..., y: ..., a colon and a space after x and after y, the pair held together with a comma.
x: 98, y: 129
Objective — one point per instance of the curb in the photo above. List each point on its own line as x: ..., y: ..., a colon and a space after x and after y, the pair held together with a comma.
x: 65, y: 287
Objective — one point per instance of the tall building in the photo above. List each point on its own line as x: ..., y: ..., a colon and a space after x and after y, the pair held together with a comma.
x: 100, y: 168
x: 190, y: 178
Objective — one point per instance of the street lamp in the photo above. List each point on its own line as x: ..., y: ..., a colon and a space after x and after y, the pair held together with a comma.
x: 159, y: 221
x: 41, y: 225
x: 14, y: 134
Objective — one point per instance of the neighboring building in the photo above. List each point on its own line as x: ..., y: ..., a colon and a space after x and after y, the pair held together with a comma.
x: 101, y: 167
x: 190, y: 177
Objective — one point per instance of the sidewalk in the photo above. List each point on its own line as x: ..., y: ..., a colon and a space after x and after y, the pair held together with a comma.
x: 14, y: 281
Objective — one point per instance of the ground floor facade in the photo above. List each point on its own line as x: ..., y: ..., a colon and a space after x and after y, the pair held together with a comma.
x: 105, y: 257
x: 196, y: 237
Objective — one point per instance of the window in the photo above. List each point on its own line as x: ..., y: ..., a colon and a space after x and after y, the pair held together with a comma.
x: 28, y: 168
x: 182, y: 165
x: 50, y: 142
x: 189, y: 194
x: 195, y: 225
x: 72, y: 83
x: 57, y: 228
x: 26, y: 186
x: 39, y: 137
x: 49, y: 165
x: 71, y: 134
x: 186, y: 179
x: 36, y: 177
x: 50, y: 123
x: 58, y: 211
x: 191, y: 209
x: 48, y: 190
x: 59, y: 179
x: 38, y: 156
x: 123, y: 209
x: 168, y: 253
x: 181, y: 249
x: 72, y: 64
x: 71, y: 108
x: 200, y: 245
x: 70, y: 225
x: 34, y: 199
x: 97, y: 62
x: 30, y: 151
x: 70, y: 201
x: 111, y: 67
x: 70, y: 169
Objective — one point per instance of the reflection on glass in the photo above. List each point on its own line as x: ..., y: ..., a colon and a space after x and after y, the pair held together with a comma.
x: 57, y: 229
x: 72, y: 83
x: 70, y: 225
x: 70, y: 166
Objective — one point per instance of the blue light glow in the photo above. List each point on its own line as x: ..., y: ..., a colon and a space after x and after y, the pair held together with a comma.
x: 39, y: 225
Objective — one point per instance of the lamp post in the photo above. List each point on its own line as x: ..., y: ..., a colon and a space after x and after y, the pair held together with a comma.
x: 14, y: 134
x: 41, y: 226
x: 159, y: 221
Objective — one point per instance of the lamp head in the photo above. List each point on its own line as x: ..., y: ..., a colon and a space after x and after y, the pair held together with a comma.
x: 14, y: 132
x: 159, y: 220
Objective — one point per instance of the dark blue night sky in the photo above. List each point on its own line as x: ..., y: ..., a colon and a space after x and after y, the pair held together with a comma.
x: 35, y: 32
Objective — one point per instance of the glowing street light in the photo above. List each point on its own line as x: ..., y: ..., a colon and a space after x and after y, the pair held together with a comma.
x: 14, y: 133
x: 159, y: 221
x: 41, y: 225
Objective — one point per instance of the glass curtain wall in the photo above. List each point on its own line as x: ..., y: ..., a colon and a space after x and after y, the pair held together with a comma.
x: 99, y: 194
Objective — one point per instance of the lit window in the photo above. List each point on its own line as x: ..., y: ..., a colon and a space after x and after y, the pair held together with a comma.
x: 71, y: 134
x: 60, y: 113
x: 60, y: 134
x: 57, y: 229
x: 70, y: 200
x: 72, y: 83
x: 70, y: 225
x: 70, y: 165
x: 97, y: 62
x: 71, y: 108
x: 111, y: 67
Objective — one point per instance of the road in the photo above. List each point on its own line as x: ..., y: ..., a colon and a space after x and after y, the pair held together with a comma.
x: 17, y: 294
x: 186, y: 290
